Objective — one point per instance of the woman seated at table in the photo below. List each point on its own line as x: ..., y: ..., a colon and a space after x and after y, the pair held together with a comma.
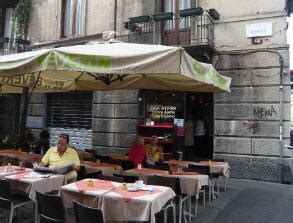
x: 137, y: 153
x: 154, y: 151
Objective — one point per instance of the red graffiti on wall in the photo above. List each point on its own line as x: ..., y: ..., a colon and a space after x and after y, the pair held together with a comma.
x: 253, y: 127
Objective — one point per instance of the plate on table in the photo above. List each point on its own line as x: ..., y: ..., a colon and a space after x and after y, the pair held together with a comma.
x: 148, y: 188
x: 132, y: 189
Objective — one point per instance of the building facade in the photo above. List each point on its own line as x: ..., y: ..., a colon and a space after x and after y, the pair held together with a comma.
x: 245, y: 40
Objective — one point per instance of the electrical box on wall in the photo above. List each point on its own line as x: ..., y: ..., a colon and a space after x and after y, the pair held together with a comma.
x: 259, y: 29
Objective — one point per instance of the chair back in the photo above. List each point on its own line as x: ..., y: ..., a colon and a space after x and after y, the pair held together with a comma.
x: 50, y: 207
x: 111, y: 178
x: 5, y: 194
x: 28, y: 164
x: 102, y: 158
x: 162, y: 166
x: 172, y: 182
x: 202, y: 169
x: 127, y: 179
x: 14, y: 161
x: 94, y: 175
x: 126, y: 164
x: 87, y: 214
x: 5, y: 189
x: 81, y: 174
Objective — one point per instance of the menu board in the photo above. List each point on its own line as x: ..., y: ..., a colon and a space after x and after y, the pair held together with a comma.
x: 162, y: 113
x: 180, y: 126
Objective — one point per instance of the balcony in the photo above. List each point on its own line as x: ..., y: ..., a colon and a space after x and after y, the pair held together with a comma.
x: 190, y: 28
x: 10, y: 46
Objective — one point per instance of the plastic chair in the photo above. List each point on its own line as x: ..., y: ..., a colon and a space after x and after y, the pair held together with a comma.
x: 87, y: 214
x: 167, y: 182
x: 28, y: 164
x: 14, y: 161
x: 202, y: 190
x: 50, y: 207
x: 94, y: 175
x: 10, y: 199
x: 102, y: 158
x: 221, y: 174
x: 81, y: 174
x: 162, y: 166
x: 205, y: 169
x: 127, y: 179
x: 111, y: 178
x: 126, y: 164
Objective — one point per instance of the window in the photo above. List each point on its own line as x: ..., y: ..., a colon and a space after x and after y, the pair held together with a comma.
x: 164, y: 106
x: 70, y: 113
x: 170, y: 6
x: 73, y: 17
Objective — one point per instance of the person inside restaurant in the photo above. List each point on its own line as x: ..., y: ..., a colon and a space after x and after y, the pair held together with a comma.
x: 154, y: 151
x: 62, y: 155
x: 137, y: 153
x: 42, y: 145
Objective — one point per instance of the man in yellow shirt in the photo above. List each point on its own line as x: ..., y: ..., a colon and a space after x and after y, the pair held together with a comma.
x: 154, y: 151
x: 62, y: 155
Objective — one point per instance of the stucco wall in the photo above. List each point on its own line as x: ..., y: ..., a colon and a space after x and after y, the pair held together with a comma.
x: 44, y: 21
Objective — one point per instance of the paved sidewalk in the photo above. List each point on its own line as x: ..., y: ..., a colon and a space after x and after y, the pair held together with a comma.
x: 250, y: 201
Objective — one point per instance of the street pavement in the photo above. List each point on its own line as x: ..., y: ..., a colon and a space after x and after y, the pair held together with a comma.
x: 250, y: 201
x: 246, y: 201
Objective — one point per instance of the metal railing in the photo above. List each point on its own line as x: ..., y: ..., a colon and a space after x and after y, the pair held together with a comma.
x: 189, y: 30
x: 10, y: 46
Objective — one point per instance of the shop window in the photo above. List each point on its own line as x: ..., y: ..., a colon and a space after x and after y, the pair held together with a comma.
x: 69, y: 110
x: 73, y: 17
x: 70, y: 113
x: 163, y: 107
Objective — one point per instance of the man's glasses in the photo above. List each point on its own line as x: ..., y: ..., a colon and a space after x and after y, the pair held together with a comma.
x: 64, y: 136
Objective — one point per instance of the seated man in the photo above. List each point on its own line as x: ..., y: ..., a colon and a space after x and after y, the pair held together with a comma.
x: 62, y: 155
x: 154, y: 151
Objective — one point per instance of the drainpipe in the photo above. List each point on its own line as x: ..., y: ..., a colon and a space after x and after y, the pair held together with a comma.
x: 281, y: 143
x: 115, y: 17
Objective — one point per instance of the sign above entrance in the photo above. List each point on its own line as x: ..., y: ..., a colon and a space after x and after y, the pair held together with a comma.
x: 162, y: 111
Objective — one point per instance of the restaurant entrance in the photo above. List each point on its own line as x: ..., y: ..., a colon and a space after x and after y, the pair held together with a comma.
x: 199, y: 109
x: 188, y: 116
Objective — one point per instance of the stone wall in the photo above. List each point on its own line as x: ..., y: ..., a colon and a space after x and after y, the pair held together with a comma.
x: 247, y: 119
x: 115, y: 116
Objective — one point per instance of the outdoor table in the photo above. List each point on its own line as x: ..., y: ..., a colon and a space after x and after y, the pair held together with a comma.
x: 11, y: 152
x: 106, y: 168
x: 118, y: 157
x: 190, y: 182
x: 22, y: 156
x: 30, y: 182
x: 174, y: 164
x: 217, y: 167
x: 143, y: 173
x: 117, y: 203
x: 89, y: 196
x: 11, y: 170
x: 30, y: 157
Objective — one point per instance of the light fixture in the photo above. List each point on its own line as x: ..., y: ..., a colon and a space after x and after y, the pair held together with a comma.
x: 256, y: 40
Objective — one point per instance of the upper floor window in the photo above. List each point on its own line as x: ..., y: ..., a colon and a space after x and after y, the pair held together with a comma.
x: 73, y: 17
x: 174, y: 6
